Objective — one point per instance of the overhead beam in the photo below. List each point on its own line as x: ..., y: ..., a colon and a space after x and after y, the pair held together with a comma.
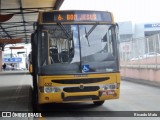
x: 58, y: 4
x: 5, y: 32
x: 17, y: 13
x: 10, y: 41
x: 29, y: 22
x: 21, y: 10
x: 15, y: 26
x: 19, y: 33
x: 28, y: 30
x: 27, y: 8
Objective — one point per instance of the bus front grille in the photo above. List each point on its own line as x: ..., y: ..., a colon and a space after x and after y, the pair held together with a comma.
x: 84, y: 89
x: 81, y: 81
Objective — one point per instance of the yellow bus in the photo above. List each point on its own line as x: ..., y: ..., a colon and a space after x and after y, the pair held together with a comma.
x: 75, y: 57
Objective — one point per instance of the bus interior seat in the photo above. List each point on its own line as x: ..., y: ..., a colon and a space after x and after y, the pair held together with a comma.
x: 71, y: 53
x: 64, y: 56
x: 54, y: 55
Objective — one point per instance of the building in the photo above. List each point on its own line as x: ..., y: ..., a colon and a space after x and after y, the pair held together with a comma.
x: 137, y: 39
x: 128, y: 30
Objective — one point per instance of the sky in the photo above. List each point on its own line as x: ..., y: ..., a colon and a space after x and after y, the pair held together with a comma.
x: 138, y: 11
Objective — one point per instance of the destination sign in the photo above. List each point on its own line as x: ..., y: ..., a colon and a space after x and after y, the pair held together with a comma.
x: 76, y: 16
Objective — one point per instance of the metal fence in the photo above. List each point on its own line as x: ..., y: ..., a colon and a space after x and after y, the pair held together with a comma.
x: 141, y: 52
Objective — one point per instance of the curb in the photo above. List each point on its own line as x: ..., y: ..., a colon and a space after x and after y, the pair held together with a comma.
x: 13, y: 72
x: 142, y: 81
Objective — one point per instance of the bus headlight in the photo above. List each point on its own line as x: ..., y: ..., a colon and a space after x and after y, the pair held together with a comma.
x: 112, y: 86
x: 50, y: 89
x: 105, y: 87
x: 56, y: 89
x: 109, y: 87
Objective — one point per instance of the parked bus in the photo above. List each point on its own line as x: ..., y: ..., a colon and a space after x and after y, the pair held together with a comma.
x: 75, y: 57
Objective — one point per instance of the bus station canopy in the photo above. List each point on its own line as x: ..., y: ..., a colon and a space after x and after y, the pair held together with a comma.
x: 10, y: 41
x: 17, y: 18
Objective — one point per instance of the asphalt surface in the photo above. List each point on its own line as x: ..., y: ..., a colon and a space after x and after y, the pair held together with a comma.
x: 15, y: 95
x: 15, y: 92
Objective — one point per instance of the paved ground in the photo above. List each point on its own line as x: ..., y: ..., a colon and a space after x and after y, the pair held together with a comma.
x: 15, y: 95
x: 15, y: 92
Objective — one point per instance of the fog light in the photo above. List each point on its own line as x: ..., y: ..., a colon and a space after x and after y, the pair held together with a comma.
x: 46, y: 98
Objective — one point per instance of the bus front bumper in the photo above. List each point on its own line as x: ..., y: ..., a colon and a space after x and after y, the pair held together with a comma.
x: 63, y: 97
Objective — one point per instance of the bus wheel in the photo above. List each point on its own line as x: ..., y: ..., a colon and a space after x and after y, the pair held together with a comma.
x: 35, y: 96
x: 98, y: 103
x: 35, y: 101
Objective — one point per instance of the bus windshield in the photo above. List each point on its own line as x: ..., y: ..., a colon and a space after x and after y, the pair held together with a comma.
x: 78, y: 48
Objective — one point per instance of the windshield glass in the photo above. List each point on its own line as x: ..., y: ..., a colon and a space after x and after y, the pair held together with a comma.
x: 78, y: 48
x: 96, y: 47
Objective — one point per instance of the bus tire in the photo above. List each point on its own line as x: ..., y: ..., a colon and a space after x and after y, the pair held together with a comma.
x: 35, y: 96
x: 98, y: 103
x: 35, y: 101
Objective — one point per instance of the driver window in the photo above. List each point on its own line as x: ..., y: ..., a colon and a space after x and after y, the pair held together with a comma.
x: 44, y: 48
x: 61, y: 48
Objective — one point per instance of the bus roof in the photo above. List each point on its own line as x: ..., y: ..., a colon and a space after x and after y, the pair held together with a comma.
x: 75, y: 17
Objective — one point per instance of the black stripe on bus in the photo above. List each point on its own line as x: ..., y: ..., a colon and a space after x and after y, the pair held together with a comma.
x: 81, y: 81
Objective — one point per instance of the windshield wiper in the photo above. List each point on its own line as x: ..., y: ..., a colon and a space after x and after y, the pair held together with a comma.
x: 89, y: 32
x: 65, y: 31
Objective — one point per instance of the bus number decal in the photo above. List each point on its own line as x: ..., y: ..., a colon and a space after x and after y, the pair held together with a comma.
x: 48, y: 84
